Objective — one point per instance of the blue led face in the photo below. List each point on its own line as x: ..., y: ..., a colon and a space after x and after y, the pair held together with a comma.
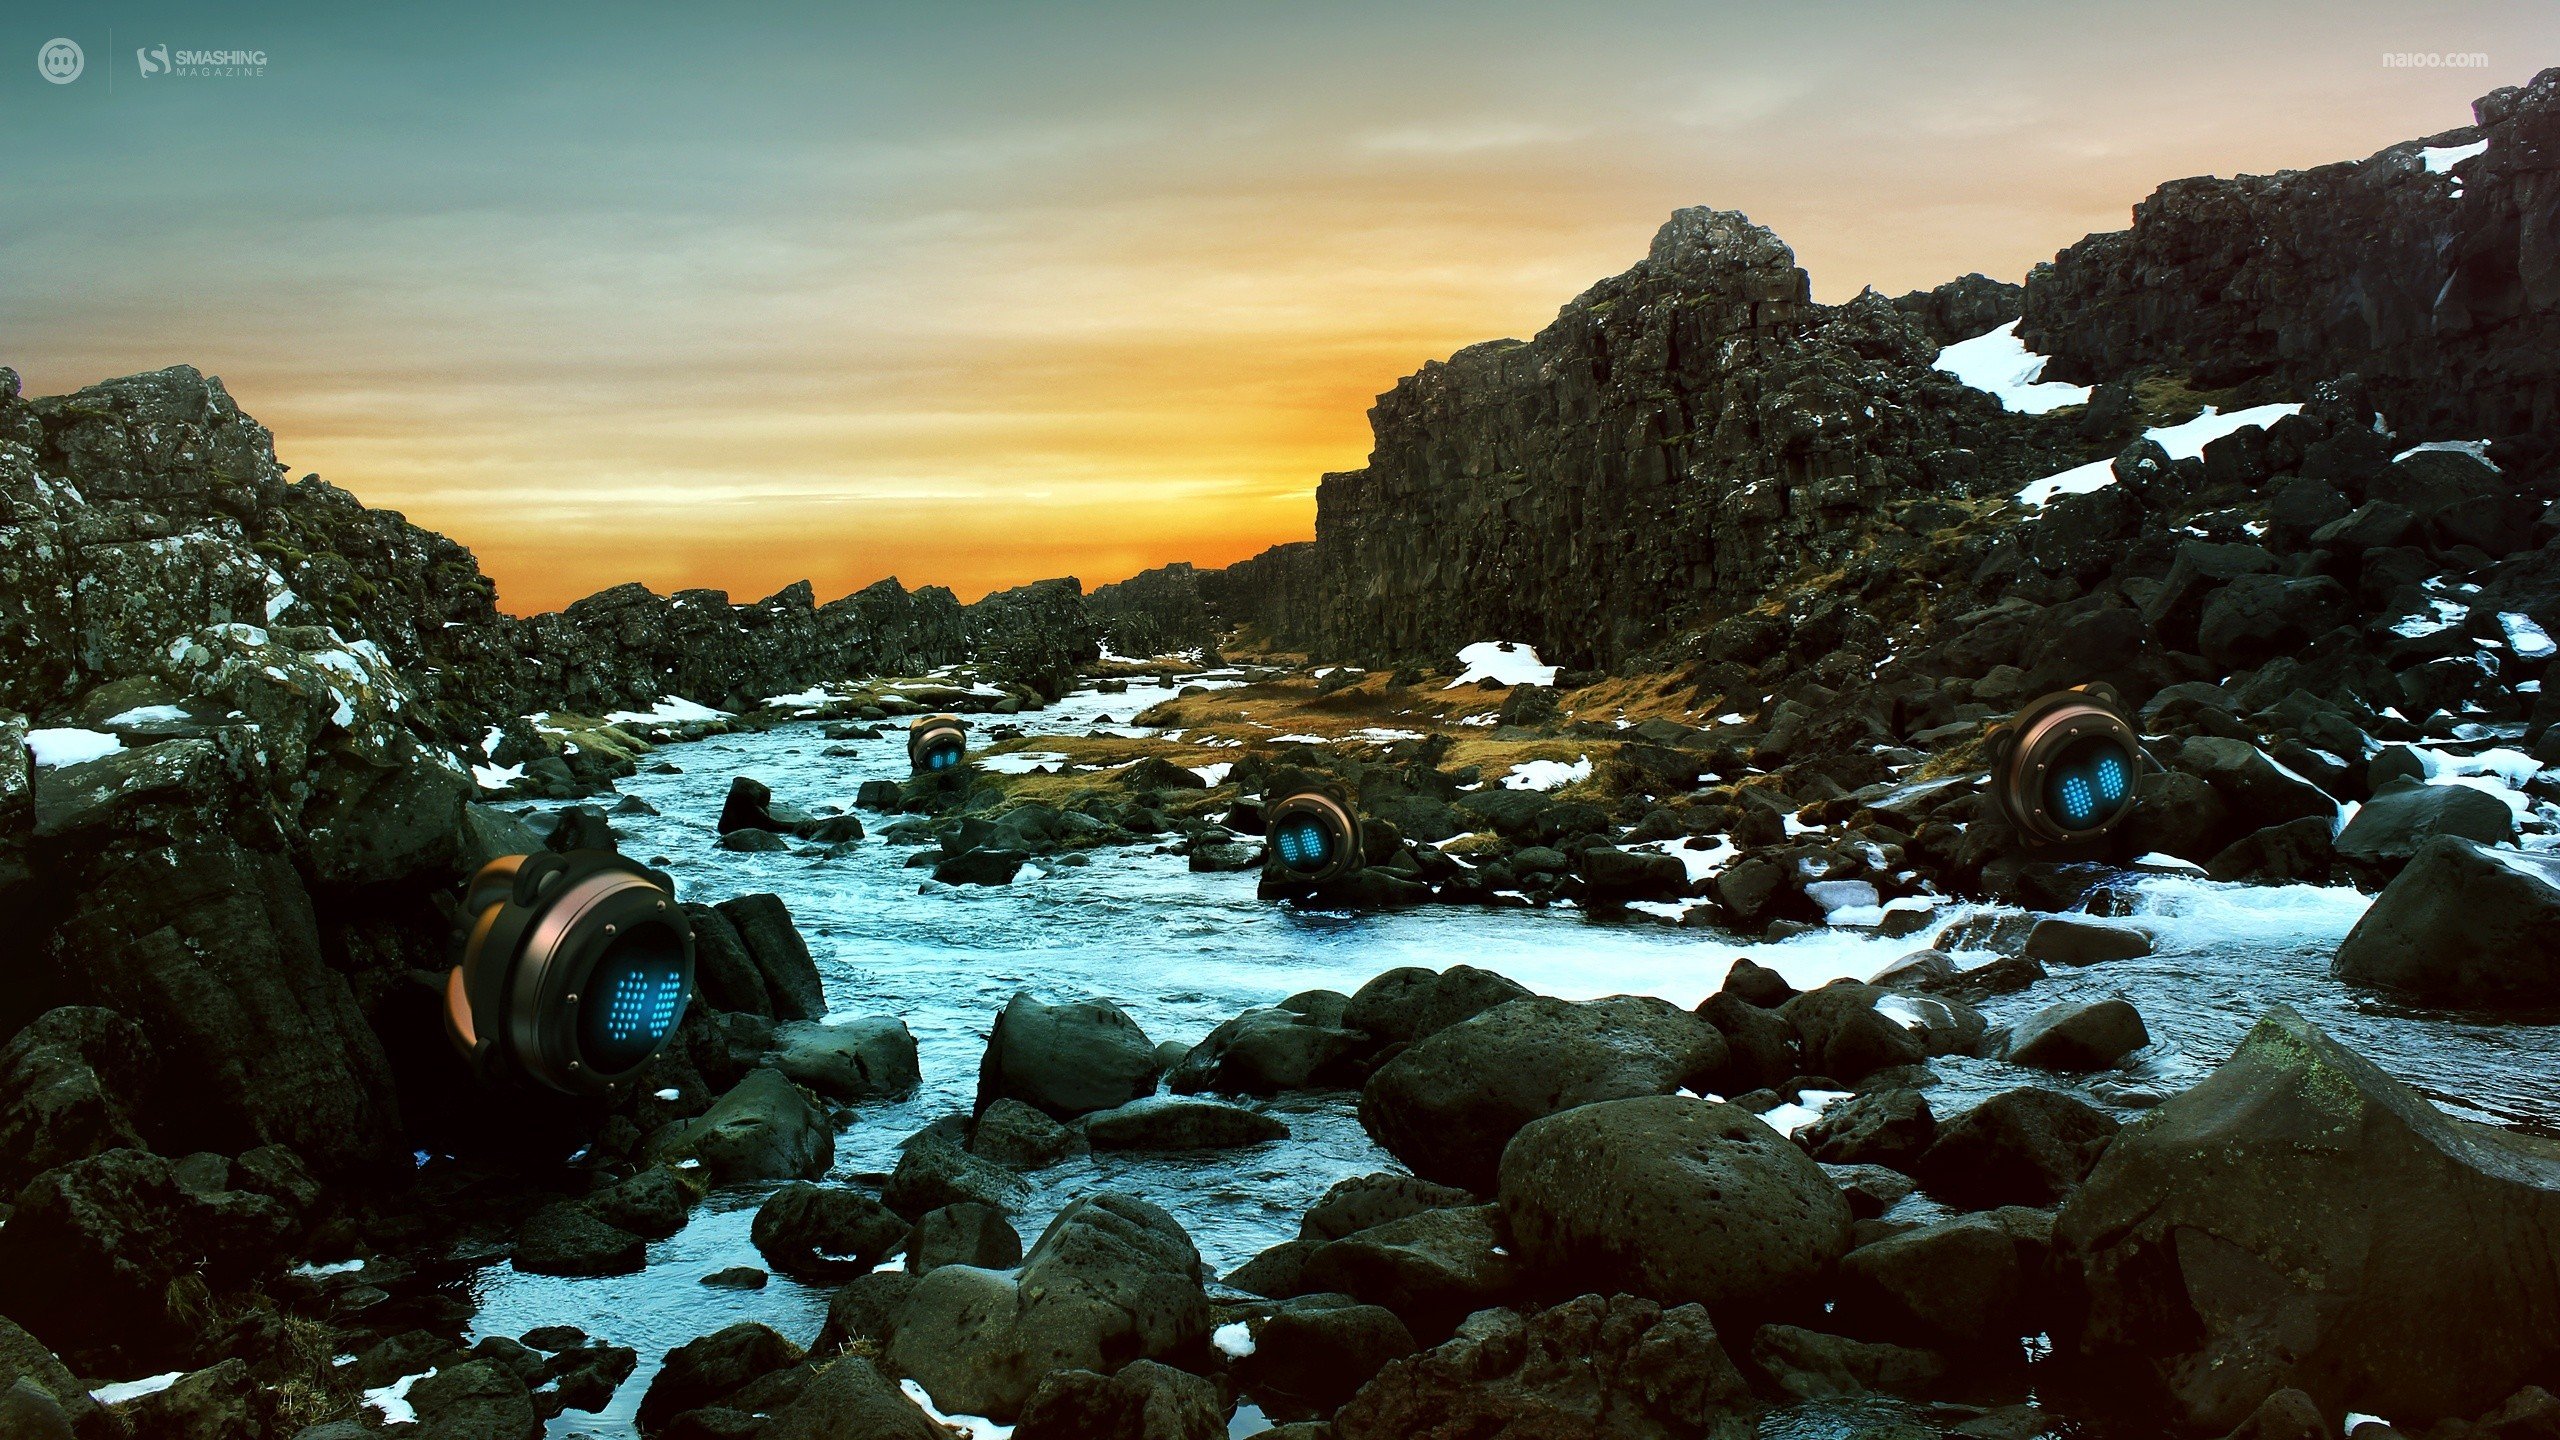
x: 943, y: 755
x: 2089, y: 784
x: 634, y: 998
x: 1302, y: 843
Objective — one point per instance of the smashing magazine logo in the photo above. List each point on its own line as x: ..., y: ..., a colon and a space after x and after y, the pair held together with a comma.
x: 160, y: 60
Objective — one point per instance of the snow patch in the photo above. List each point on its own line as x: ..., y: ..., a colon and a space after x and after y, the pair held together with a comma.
x: 319, y: 1272
x: 2476, y: 449
x: 1234, y: 1339
x: 124, y: 1390
x: 70, y: 746
x: 497, y: 777
x: 1503, y: 662
x: 2440, y: 159
x: 2185, y: 441
x: 2000, y: 364
x: 148, y: 715
x: 670, y: 710
x: 393, y: 1399
x: 1215, y: 775
x: 2531, y: 641
x: 1546, y: 774
x: 1020, y: 762
x: 970, y: 1427
x: 1806, y: 1108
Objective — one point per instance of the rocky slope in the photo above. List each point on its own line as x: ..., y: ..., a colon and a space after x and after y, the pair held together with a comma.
x: 2431, y: 271
x: 1681, y: 436
x: 1693, y: 430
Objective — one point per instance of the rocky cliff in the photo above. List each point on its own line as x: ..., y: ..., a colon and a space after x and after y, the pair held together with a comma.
x: 1694, y: 429
x: 1679, y: 437
x: 2431, y: 271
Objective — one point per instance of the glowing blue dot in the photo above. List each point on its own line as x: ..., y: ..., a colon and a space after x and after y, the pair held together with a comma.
x: 2111, y: 778
x: 2078, y: 803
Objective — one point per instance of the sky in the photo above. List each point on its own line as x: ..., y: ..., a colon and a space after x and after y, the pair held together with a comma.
x: 975, y: 294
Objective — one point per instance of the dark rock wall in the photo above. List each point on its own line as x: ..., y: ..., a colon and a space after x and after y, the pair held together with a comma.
x: 1271, y: 592
x: 1680, y: 436
x: 1038, y: 634
x: 2441, y: 291
x: 1154, y: 612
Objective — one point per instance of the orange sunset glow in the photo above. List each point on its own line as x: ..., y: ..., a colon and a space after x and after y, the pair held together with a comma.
x: 976, y: 295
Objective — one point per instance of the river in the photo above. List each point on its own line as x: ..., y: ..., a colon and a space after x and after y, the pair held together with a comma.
x: 1182, y: 952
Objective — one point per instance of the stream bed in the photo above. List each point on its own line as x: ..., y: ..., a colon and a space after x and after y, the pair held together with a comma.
x: 1182, y: 952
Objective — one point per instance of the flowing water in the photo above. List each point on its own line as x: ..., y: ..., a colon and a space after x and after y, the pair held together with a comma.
x: 1182, y: 952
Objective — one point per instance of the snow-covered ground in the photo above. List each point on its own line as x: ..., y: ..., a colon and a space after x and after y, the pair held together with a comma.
x: 1504, y: 662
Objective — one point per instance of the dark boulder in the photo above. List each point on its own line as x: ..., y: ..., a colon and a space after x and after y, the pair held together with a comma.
x: 1271, y: 1051
x: 1673, y: 1198
x: 2464, y: 924
x: 825, y: 1232
x: 2402, y: 815
x: 1892, y: 1127
x: 1018, y: 1137
x: 2020, y: 1147
x: 781, y: 957
x: 93, y: 1249
x: 711, y: 1369
x: 765, y: 1129
x: 476, y: 1400
x: 1365, y: 1200
x: 2067, y: 940
x: 1976, y: 1283
x: 1305, y: 1357
x: 214, y: 950
x: 1176, y: 1123
x: 964, y: 1234
x: 1432, y: 1268
x: 872, y: 1057
x: 1448, y: 1105
x: 2078, y: 1035
x: 72, y: 1083
x: 1761, y: 1046
x: 1112, y: 1280
x: 849, y: 1399
x: 1809, y: 1365
x: 2289, y: 1222
x: 568, y: 1239
x: 1846, y: 1037
x: 1410, y: 1003
x: 933, y: 1172
x: 1144, y: 1401
x: 1620, y: 1367
x: 1066, y: 1059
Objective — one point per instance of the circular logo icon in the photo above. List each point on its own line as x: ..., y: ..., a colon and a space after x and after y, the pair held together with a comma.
x: 60, y: 61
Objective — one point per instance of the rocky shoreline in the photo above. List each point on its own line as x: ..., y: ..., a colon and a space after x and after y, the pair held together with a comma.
x: 1791, y: 568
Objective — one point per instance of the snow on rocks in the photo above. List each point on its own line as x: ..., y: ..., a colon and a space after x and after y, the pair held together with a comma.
x: 1503, y: 662
x: 2440, y: 159
x: 670, y: 710
x: 2183, y: 441
x: 123, y: 1390
x: 70, y: 746
x: 1999, y: 363
x: 1547, y: 774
